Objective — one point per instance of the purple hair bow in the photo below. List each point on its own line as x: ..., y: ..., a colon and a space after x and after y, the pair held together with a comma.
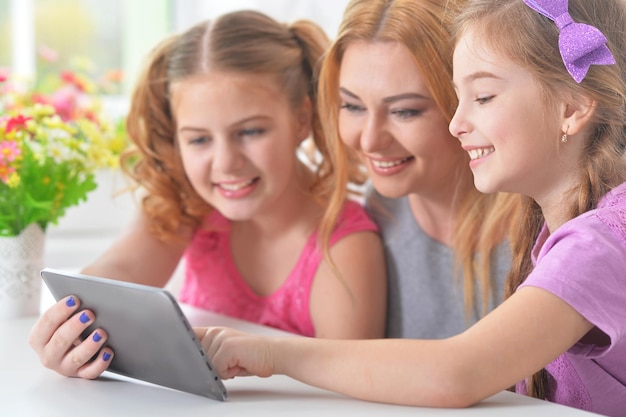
x: 581, y: 45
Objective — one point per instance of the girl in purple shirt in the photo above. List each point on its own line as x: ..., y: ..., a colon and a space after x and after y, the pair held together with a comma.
x: 542, y: 113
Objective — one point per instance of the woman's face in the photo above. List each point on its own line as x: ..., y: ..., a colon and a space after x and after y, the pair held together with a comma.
x: 389, y: 117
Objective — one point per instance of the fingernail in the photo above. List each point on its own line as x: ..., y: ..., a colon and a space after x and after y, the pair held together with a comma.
x: 84, y: 318
x: 106, y: 356
x: 97, y: 337
x: 70, y: 302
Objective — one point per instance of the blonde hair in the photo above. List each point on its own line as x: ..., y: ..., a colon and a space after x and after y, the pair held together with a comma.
x: 243, y: 42
x: 530, y: 40
x: 424, y: 27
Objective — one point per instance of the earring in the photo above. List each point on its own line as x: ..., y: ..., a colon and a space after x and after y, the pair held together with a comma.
x: 564, y: 138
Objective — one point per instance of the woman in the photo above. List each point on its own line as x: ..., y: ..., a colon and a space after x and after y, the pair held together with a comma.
x: 386, y: 97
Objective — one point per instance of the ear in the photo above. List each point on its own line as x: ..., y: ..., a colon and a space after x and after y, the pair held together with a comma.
x: 578, y: 112
x: 304, y: 119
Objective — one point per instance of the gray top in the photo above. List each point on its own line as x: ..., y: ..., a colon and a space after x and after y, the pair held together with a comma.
x: 425, y: 301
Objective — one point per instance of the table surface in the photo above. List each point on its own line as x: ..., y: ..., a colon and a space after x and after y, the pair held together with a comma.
x: 28, y: 389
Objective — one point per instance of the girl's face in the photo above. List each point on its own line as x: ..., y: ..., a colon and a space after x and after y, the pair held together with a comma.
x: 389, y: 117
x: 238, y: 135
x: 504, y: 124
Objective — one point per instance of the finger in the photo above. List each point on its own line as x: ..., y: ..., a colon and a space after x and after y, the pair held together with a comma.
x: 79, y: 360
x: 63, y: 341
x: 94, y: 369
x: 210, y: 339
x: 50, y: 321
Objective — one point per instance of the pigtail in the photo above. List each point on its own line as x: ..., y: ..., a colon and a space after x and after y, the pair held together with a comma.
x: 312, y: 41
x: 154, y: 163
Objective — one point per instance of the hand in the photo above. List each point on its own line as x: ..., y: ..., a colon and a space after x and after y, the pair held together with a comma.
x: 235, y: 353
x: 56, y: 340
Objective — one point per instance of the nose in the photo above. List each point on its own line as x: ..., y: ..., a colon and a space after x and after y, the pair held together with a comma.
x: 227, y: 156
x: 459, y: 125
x: 375, y: 135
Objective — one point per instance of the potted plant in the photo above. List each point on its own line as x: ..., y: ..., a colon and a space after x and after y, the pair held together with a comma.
x: 52, y: 142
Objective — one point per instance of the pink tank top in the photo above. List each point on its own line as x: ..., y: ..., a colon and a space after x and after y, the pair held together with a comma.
x: 213, y: 283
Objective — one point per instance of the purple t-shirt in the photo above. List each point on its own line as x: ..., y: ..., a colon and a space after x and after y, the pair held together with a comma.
x: 584, y: 263
x: 212, y: 281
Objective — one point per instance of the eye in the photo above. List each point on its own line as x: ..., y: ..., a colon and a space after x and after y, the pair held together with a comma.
x: 251, y: 132
x: 484, y: 100
x: 352, y: 108
x: 406, y: 113
x: 199, y: 140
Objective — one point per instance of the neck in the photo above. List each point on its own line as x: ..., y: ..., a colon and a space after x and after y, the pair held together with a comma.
x: 436, y: 215
x: 296, y: 211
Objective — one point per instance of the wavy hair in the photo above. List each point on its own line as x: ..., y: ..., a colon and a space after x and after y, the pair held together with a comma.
x: 424, y: 27
x: 244, y: 42
x: 530, y: 40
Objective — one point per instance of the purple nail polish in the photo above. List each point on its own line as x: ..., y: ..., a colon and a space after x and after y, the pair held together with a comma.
x: 97, y: 337
x: 70, y: 302
x: 84, y: 318
x: 106, y: 356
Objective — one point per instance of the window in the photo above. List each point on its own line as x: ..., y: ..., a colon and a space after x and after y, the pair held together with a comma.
x: 5, y: 34
x: 45, y: 36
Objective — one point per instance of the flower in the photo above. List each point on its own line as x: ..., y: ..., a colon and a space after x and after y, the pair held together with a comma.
x: 52, y: 142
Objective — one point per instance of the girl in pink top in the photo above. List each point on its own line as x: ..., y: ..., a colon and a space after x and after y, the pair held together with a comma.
x: 237, y: 177
x: 542, y: 113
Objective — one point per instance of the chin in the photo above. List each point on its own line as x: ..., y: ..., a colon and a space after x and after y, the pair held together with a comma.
x: 485, y: 187
x: 389, y: 191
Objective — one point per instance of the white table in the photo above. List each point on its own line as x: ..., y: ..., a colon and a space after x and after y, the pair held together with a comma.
x: 28, y: 389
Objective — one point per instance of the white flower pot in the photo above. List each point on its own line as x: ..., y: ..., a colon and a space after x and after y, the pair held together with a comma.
x: 21, y: 260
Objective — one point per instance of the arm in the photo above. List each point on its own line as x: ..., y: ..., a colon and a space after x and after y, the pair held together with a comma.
x: 139, y: 257
x: 525, y: 333
x: 352, y: 305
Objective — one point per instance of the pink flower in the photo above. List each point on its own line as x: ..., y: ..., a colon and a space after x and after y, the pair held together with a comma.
x: 72, y: 78
x: 48, y: 54
x: 65, y: 101
x: 9, y: 151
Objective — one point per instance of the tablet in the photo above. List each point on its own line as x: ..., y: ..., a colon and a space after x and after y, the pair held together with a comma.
x: 148, y: 332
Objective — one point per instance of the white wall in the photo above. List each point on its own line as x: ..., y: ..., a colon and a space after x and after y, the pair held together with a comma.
x: 327, y: 13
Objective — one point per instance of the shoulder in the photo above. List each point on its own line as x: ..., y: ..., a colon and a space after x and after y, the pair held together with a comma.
x: 598, y: 232
x: 354, y: 218
x: 595, y: 238
x: 583, y: 263
x: 612, y: 211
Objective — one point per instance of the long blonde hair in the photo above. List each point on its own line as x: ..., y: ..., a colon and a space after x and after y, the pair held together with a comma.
x: 424, y: 27
x: 242, y: 42
x: 520, y: 34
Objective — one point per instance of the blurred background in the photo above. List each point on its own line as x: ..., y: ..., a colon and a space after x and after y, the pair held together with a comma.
x: 117, y: 34
x: 109, y: 39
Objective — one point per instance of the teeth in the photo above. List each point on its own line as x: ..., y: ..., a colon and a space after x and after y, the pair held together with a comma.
x: 236, y: 186
x: 479, y: 153
x: 388, y: 164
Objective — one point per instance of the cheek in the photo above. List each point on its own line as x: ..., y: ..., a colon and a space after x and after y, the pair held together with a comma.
x: 430, y: 137
x: 191, y: 162
x: 349, y: 130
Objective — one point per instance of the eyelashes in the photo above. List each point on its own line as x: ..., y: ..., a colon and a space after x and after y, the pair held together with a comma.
x: 484, y: 100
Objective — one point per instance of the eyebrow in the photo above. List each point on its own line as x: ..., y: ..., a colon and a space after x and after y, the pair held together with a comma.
x: 481, y: 74
x: 237, y: 123
x: 390, y: 99
x: 476, y: 76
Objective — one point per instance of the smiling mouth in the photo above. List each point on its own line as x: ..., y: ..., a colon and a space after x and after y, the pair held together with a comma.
x: 390, y: 164
x: 480, y: 152
x: 236, y: 186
